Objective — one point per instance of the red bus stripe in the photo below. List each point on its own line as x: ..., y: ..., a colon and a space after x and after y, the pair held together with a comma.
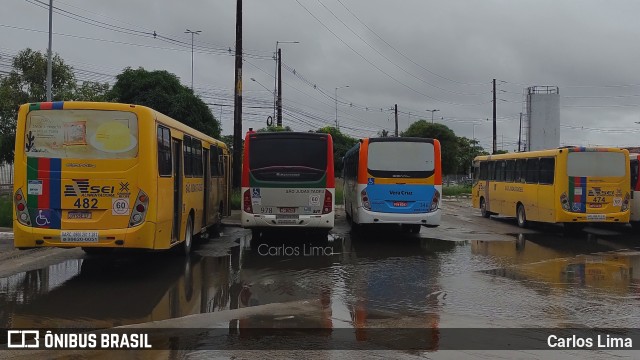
x: 44, y: 173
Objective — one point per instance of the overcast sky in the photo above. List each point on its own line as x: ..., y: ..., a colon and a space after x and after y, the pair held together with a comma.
x: 419, y: 54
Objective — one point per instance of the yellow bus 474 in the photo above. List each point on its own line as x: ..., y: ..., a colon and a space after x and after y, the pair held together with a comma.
x: 107, y: 175
x: 574, y: 186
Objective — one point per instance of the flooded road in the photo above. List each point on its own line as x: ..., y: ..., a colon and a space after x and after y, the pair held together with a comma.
x: 358, y: 279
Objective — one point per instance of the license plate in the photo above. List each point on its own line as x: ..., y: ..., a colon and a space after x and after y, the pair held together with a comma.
x: 79, y: 215
x: 596, y: 217
x: 399, y: 203
x: 78, y: 236
x: 288, y: 217
x: 287, y: 210
x: 287, y: 221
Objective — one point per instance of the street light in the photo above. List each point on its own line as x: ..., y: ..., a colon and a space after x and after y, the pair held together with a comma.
x: 278, y: 75
x: 336, y: 98
x: 432, y: 111
x: 197, y: 32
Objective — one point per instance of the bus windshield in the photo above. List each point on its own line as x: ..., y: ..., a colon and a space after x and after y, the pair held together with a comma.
x: 81, y: 134
x: 288, y: 158
x: 592, y: 163
x: 401, y: 159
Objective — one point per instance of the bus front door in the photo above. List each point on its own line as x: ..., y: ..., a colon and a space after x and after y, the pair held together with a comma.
x: 177, y: 189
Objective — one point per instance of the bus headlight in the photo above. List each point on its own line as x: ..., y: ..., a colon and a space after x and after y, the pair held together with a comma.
x: 139, y: 209
x: 564, y: 200
x: 435, y: 201
x: 625, y: 203
x: 22, y: 212
x: 365, y: 199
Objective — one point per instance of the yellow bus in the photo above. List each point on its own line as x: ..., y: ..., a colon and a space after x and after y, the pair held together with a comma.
x: 106, y: 175
x: 570, y: 185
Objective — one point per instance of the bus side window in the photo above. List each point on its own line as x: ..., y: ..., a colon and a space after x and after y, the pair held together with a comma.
x: 500, y: 170
x: 214, y: 162
x: 197, y: 158
x: 511, y: 168
x: 186, y: 154
x: 547, y: 170
x: 532, y: 171
x: 484, y: 169
x: 491, y: 173
x: 164, y: 151
x: 521, y: 170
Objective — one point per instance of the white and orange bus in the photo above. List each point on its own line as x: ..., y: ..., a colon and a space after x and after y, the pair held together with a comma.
x: 106, y: 175
x: 288, y: 181
x: 394, y: 181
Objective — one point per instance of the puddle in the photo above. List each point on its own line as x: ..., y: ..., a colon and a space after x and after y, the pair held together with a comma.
x: 380, y: 279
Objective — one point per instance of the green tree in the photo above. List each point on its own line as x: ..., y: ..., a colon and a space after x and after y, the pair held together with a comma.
x: 162, y: 91
x: 341, y: 144
x: 449, y: 142
x: 468, y: 149
x: 274, y: 128
x: 92, y: 91
x: 27, y: 82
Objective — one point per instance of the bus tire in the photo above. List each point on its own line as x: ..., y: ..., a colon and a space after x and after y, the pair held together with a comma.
x: 521, y: 216
x: 188, y: 237
x: 635, y: 225
x: 414, y: 229
x: 483, y: 209
x: 255, y: 234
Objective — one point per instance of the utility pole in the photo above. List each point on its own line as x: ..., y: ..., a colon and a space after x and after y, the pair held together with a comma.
x: 237, y: 103
x: 432, y: 111
x: 49, y: 60
x: 197, y: 32
x: 277, y: 83
x: 520, y: 133
x: 279, y: 102
x: 396, y: 111
x: 495, y: 134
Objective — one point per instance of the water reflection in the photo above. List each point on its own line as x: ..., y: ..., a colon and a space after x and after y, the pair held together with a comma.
x: 108, y: 292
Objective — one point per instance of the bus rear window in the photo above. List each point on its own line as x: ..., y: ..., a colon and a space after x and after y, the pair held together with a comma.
x: 288, y: 158
x: 596, y: 163
x: 401, y: 159
x: 81, y: 134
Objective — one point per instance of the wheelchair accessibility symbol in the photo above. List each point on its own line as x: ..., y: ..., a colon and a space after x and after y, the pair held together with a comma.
x: 42, y: 220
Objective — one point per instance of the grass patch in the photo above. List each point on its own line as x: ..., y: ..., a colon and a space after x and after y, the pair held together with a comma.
x: 456, y: 190
x: 6, y: 211
x: 236, y: 200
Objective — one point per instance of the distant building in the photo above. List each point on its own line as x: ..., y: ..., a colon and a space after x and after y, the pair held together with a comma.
x: 541, y: 129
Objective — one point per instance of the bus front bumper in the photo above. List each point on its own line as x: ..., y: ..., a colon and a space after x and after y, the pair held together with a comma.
x: 303, y: 221
x: 427, y: 219
x: 139, y: 237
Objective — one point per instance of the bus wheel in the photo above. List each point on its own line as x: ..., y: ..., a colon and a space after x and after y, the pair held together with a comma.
x: 483, y: 209
x: 521, y: 216
x: 188, y: 237
x: 414, y: 229
x: 255, y: 234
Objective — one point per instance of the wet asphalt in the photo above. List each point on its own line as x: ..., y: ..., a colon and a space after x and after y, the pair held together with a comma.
x: 469, y: 272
